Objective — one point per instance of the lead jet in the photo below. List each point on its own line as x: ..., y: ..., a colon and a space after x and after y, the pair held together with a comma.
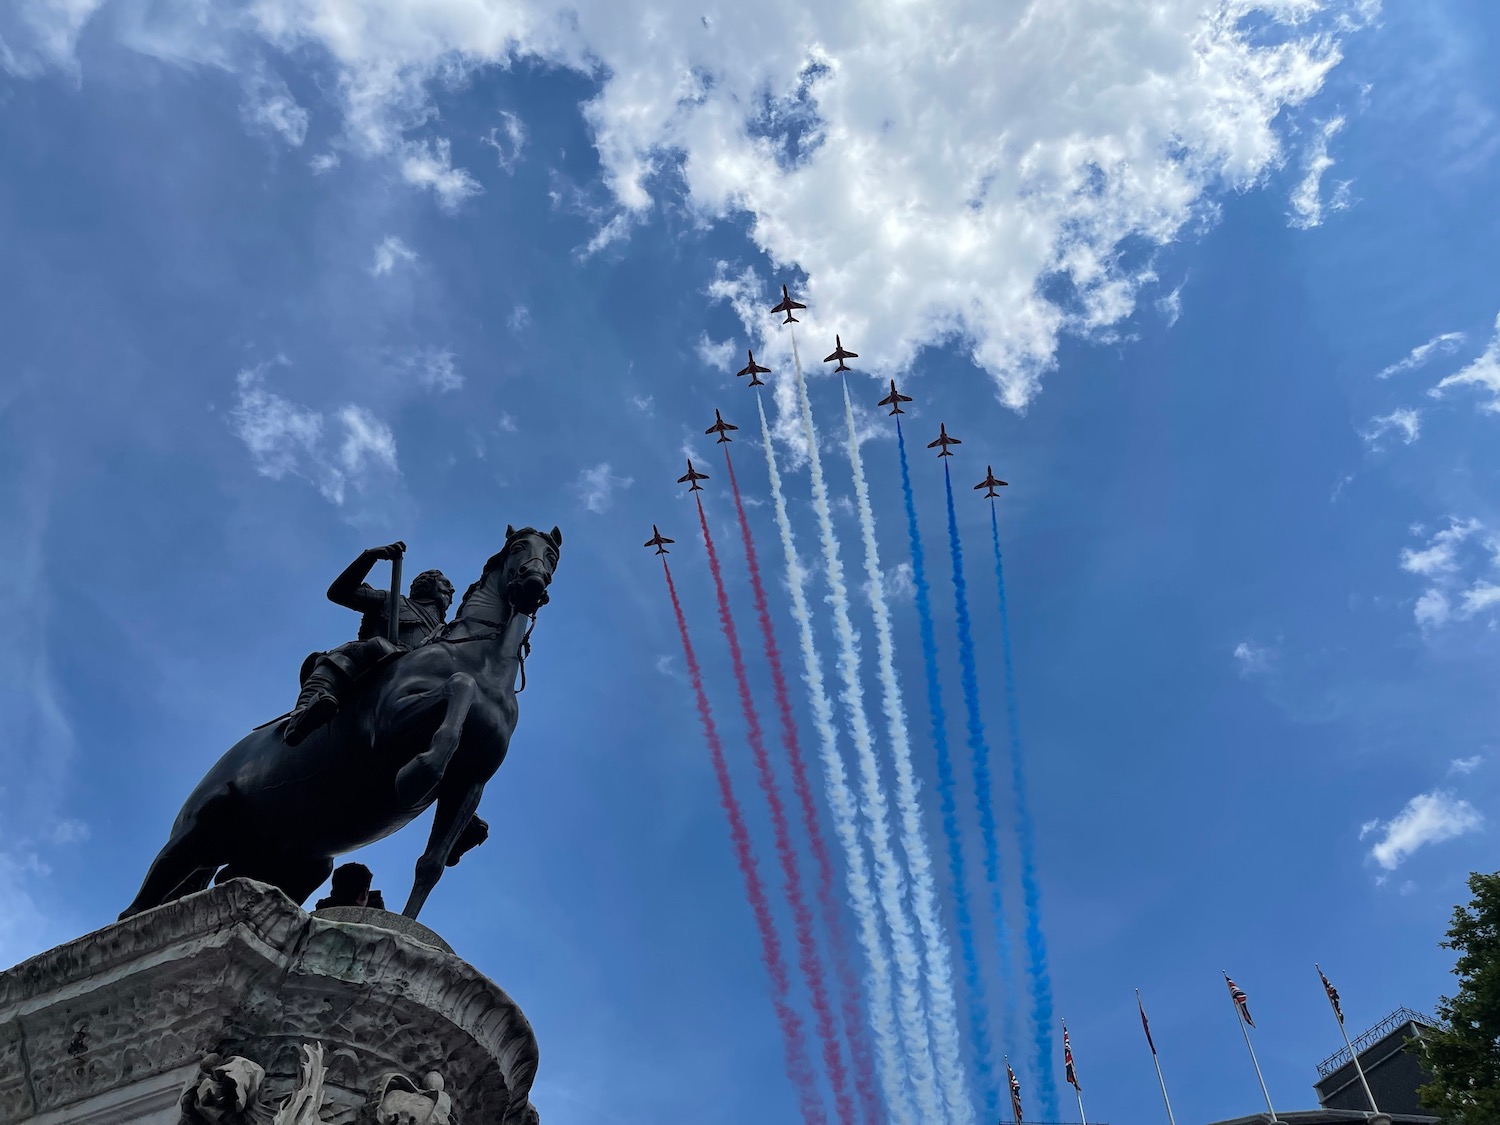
x: 659, y: 541
x: 944, y: 440
x: 990, y: 483
x: 787, y: 305
x: 840, y: 354
x: 692, y: 477
x: 721, y: 428
x: 894, y: 399
x: 754, y: 370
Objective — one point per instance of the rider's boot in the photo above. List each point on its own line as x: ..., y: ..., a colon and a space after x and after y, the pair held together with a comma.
x: 315, y: 706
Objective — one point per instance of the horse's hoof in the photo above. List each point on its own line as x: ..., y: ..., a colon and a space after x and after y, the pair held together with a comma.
x: 417, y: 782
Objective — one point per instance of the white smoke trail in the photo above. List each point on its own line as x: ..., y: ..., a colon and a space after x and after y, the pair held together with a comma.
x: 841, y: 804
x: 911, y: 1011
x: 948, y: 1051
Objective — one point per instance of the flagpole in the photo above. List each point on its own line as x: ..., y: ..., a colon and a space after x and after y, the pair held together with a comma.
x: 1240, y: 1019
x: 1363, y: 1081
x: 1072, y: 1075
x: 1166, y: 1101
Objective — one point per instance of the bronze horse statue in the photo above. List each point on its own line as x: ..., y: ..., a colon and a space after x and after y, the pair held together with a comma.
x: 431, y: 725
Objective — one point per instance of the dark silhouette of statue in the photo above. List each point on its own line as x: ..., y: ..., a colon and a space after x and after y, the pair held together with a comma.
x: 351, y: 887
x: 424, y: 726
x: 326, y: 675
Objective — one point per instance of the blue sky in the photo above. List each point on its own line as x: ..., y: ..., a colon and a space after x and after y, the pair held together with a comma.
x: 1216, y: 294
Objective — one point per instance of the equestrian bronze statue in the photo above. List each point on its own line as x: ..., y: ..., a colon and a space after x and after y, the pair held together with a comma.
x: 427, y: 719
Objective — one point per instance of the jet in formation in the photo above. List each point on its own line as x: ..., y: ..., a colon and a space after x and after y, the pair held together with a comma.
x: 990, y: 482
x: 787, y: 305
x: 944, y: 441
x: 721, y: 428
x: 840, y: 354
x: 894, y: 399
x: 754, y: 370
x: 659, y: 541
x: 692, y: 477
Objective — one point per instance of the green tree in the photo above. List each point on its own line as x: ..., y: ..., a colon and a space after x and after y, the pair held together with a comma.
x: 1463, y: 1057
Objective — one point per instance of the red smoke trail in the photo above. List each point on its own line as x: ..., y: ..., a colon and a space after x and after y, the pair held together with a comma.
x: 798, y: 1065
x: 849, y: 991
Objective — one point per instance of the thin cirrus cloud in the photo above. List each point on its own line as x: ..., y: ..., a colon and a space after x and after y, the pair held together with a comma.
x: 1483, y: 373
x: 287, y: 439
x: 596, y: 487
x: 1426, y: 819
x: 390, y: 252
x: 1455, y: 563
x: 1403, y: 422
x: 862, y: 142
x: 1445, y: 343
x: 1309, y: 208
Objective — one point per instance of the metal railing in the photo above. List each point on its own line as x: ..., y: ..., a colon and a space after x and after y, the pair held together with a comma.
x: 1400, y: 1016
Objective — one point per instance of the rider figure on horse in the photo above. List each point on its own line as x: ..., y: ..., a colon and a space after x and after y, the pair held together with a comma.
x: 327, y: 674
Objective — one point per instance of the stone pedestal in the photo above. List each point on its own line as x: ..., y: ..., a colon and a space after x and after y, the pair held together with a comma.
x: 313, y: 1021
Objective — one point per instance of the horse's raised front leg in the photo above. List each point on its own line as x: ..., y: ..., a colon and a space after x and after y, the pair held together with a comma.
x: 418, y: 780
x: 453, y: 815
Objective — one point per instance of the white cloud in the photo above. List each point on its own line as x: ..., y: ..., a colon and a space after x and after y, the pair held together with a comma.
x: 900, y: 585
x: 429, y: 164
x: 507, y: 139
x: 287, y: 439
x: 69, y: 831
x: 985, y: 149
x: 437, y: 370
x: 645, y: 404
x: 520, y: 318
x: 507, y: 424
x: 1170, y: 306
x: 1465, y: 765
x: 1308, y: 206
x: 1253, y: 659
x: 1428, y: 818
x: 269, y: 106
x: 1403, y: 420
x: 323, y: 162
x: 717, y: 354
x: 1457, y: 562
x: 1484, y: 372
x: 37, y: 34
x: 1440, y: 554
x: 390, y: 251
x: 1445, y: 343
x: 596, y: 486
x: 1432, y: 609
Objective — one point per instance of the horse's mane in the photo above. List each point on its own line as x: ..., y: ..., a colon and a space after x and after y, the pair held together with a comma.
x: 495, y: 561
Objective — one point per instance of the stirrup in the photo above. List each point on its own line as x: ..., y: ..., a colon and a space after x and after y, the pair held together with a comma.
x: 306, y: 719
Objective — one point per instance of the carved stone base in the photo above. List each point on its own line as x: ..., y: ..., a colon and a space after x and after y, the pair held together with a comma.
x: 346, y: 1022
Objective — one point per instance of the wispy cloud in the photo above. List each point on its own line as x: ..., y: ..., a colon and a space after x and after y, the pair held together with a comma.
x: 1440, y: 555
x: 429, y: 164
x: 1252, y: 659
x: 1444, y: 344
x: 519, y: 319
x: 437, y: 370
x: 1405, y: 422
x: 270, y: 107
x: 1308, y: 205
x: 285, y: 438
x: 596, y: 487
x: 1170, y: 306
x: 1458, y: 563
x: 507, y: 139
x: 323, y: 162
x: 1428, y: 818
x: 390, y: 251
x: 718, y: 354
x: 1484, y: 373
x: 1465, y: 766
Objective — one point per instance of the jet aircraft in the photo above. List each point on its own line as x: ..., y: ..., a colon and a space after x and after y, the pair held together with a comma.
x: 721, y: 428
x: 944, y: 440
x: 894, y: 399
x: 990, y: 483
x: 840, y: 354
x: 754, y: 370
x: 659, y: 541
x: 787, y: 305
x: 692, y: 477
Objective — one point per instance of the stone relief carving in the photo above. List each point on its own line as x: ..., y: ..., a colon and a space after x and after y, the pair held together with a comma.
x: 225, y: 1092
x: 396, y: 1100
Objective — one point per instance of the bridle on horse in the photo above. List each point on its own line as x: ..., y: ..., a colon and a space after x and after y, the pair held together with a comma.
x: 499, y: 626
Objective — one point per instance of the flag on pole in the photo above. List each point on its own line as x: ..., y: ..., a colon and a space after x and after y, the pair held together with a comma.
x: 1071, y: 1075
x: 1241, y: 1001
x: 1145, y: 1023
x: 1015, y: 1092
x: 1333, y: 997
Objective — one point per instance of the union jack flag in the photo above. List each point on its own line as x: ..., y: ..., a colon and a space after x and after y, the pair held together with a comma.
x: 1241, y: 1001
x: 1071, y: 1075
x: 1015, y: 1092
x: 1333, y: 997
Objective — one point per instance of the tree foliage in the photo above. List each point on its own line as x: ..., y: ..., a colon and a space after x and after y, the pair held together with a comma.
x: 1463, y: 1057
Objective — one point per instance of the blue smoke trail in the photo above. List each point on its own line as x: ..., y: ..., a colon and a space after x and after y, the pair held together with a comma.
x: 979, y: 1015
x: 979, y: 750
x: 1036, y: 944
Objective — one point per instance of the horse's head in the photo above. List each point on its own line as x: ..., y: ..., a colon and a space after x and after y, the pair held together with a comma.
x: 530, y: 558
